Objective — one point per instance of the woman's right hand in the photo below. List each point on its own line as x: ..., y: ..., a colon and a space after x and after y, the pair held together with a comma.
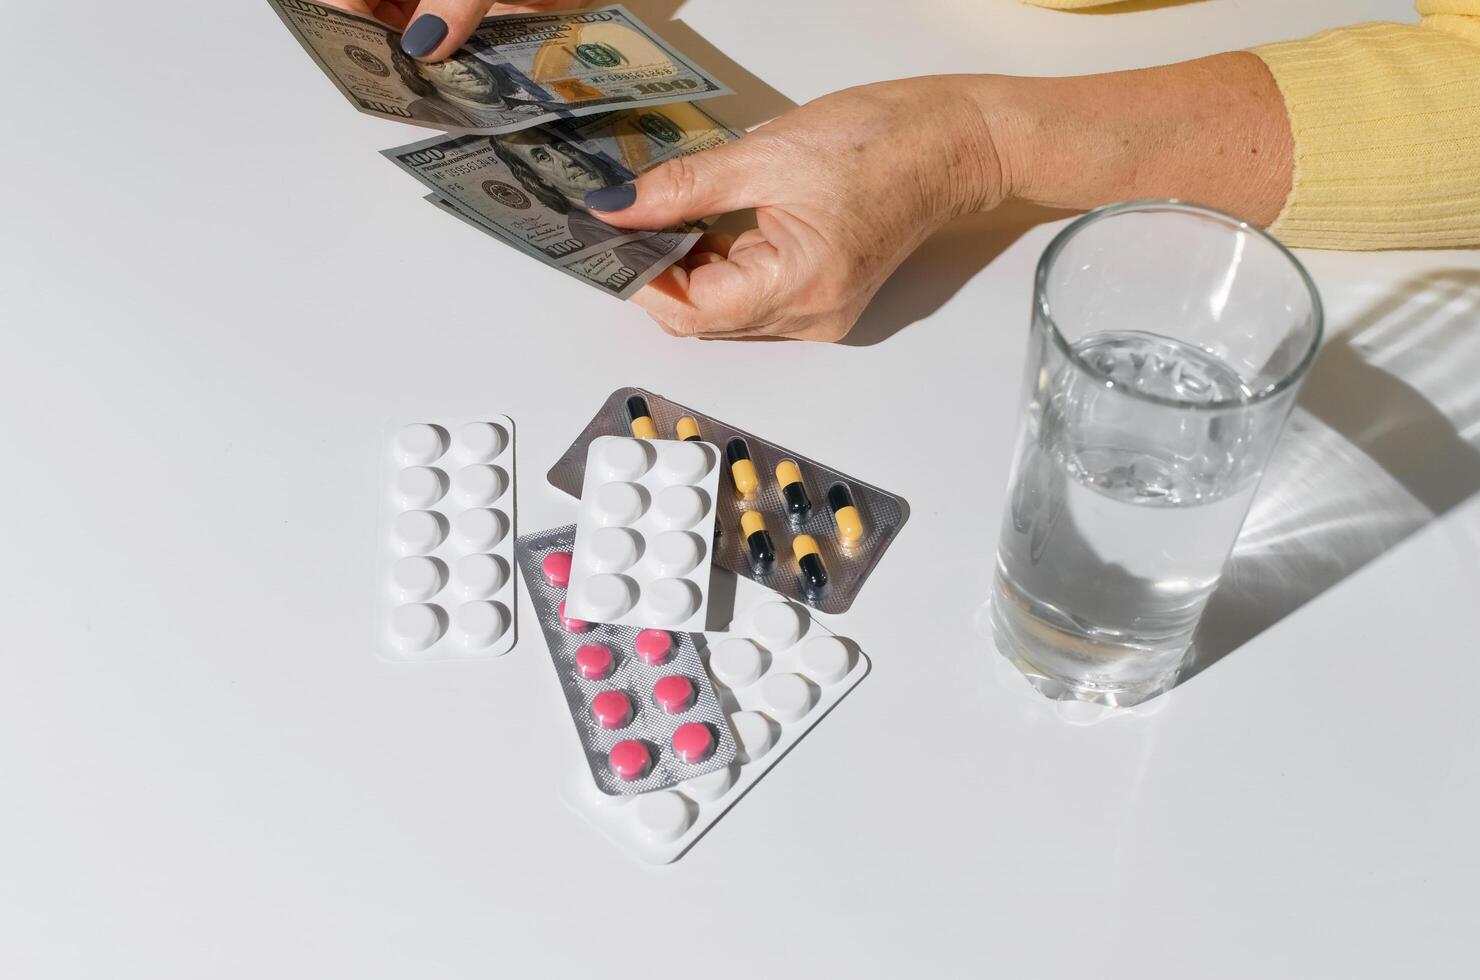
x: 432, y: 29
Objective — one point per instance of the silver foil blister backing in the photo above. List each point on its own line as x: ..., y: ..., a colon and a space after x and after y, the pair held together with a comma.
x: 650, y: 724
x: 883, y: 513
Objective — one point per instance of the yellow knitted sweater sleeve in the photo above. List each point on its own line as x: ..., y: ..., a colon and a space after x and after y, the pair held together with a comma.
x: 1386, y: 119
x: 1072, y: 4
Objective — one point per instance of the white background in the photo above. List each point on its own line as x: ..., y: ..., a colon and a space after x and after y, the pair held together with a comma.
x: 214, y: 295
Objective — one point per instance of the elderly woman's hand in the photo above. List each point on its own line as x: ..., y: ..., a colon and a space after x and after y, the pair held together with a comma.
x: 432, y: 29
x: 844, y: 189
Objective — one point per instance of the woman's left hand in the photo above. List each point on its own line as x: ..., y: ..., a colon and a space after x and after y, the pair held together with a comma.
x: 844, y: 188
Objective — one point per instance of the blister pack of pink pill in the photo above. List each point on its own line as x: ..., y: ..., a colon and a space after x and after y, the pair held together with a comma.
x: 804, y: 529
x: 778, y: 674
x: 646, y: 711
x: 445, y: 577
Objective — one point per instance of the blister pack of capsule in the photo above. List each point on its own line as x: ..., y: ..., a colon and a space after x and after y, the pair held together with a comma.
x: 777, y: 675
x: 646, y: 711
x: 811, y: 532
x: 445, y: 570
x: 642, y: 550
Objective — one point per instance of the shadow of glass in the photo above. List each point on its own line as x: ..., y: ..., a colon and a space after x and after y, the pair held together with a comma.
x: 1385, y: 437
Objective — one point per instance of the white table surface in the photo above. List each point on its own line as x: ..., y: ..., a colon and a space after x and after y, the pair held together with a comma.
x: 213, y: 296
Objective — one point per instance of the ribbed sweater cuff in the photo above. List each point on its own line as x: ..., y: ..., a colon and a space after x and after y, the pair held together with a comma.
x: 1071, y: 4
x: 1386, y: 121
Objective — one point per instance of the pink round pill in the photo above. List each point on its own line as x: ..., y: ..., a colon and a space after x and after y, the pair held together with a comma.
x: 654, y: 646
x: 594, y: 661
x: 556, y: 567
x: 693, y: 742
x: 674, y: 693
x: 613, y: 709
x: 630, y: 759
x: 570, y: 622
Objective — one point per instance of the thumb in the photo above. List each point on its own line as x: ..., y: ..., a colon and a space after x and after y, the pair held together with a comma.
x: 439, y: 27
x: 726, y: 178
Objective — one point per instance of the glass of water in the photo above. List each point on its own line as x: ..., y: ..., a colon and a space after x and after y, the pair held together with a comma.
x: 1167, y: 347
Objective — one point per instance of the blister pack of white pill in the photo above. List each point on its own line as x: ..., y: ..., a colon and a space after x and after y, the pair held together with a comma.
x: 778, y: 674
x: 647, y: 713
x: 804, y: 529
x: 645, y: 532
x: 445, y: 573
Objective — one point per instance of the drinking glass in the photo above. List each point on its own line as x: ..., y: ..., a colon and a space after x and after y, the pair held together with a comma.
x: 1167, y: 346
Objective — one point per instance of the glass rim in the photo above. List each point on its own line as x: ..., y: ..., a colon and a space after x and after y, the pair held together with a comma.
x: 1051, y: 254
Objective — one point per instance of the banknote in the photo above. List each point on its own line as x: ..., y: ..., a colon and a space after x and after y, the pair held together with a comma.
x: 517, y: 70
x: 531, y: 185
x: 619, y: 271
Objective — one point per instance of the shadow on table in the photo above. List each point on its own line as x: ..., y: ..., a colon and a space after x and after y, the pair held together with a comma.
x: 1133, y: 6
x: 753, y: 103
x: 936, y: 270
x: 1385, y: 437
x: 944, y: 264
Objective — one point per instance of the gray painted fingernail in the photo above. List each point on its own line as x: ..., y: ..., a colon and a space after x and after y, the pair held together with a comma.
x: 423, y: 36
x: 612, y: 198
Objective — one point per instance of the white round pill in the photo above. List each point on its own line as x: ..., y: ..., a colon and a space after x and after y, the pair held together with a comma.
x: 480, y: 485
x: 478, y: 624
x: 419, y: 443
x: 479, y: 530
x: 613, y: 549
x: 677, y: 552
x: 420, y: 486
x: 619, y: 503
x: 419, y: 531
x: 753, y: 734
x: 418, y: 578
x: 677, y: 508
x: 416, y: 626
x: 605, y: 597
x: 825, y: 659
x: 670, y: 601
x: 662, y: 816
x: 788, y: 696
x: 777, y: 625
x: 736, y: 662
x: 684, y: 462
x: 480, y: 442
x: 479, y: 576
x: 622, y: 459
x: 710, y: 786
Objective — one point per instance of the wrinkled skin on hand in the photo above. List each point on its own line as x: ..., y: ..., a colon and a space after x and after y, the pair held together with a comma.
x: 843, y: 188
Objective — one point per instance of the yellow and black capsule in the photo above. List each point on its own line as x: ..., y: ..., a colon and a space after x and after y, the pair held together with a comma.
x: 642, y: 421
x: 849, y: 521
x: 688, y: 430
x: 742, y: 470
x: 809, y: 563
x: 758, y: 542
x: 793, y: 491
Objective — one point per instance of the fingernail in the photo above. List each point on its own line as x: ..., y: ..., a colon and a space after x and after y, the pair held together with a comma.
x: 423, y: 36
x: 611, y: 198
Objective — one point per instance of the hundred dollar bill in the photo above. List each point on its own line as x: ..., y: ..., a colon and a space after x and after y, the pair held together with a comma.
x: 516, y: 70
x: 619, y: 271
x: 531, y: 185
